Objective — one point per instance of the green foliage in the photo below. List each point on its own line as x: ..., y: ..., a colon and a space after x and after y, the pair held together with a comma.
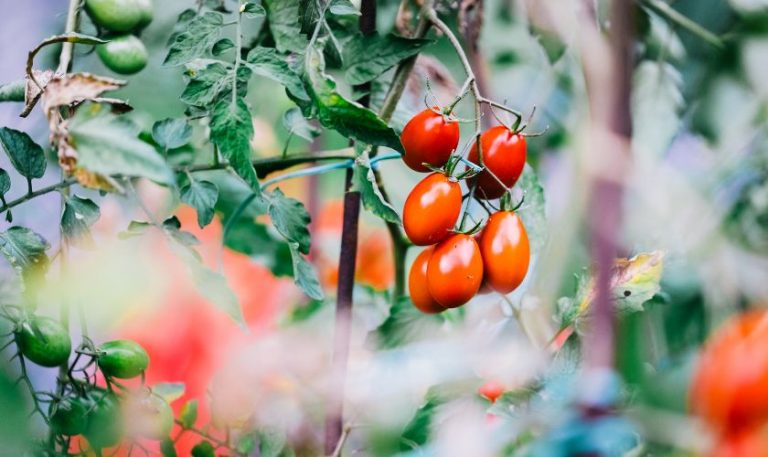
x: 367, y: 57
x: 290, y: 219
x: 188, y: 414
x: 346, y: 117
x: 533, y: 211
x: 268, y: 63
x: 24, y: 249
x: 297, y: 124
x: 405, y: 324
x: 282, y: 17
x: 171, y: 133
x: 76, y: 219
x: 231, y: 131
x: 109, y: 145
x: 202, y: 196
x: 26, y: 156
x: 656, y: 104
x: 203, y: 449
x: 169, y: 391
x: 372, y: 198
x: 212, y: 82
x: 199, y: 36
x: 304, y: 274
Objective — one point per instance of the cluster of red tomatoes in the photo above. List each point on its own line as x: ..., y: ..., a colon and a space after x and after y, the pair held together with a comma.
x: 457, y: 265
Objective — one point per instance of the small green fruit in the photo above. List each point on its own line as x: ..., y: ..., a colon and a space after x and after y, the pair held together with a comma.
x: 115, y: 15
x: 44, y: 341
x: 124, y: 54
x: 122, y: 359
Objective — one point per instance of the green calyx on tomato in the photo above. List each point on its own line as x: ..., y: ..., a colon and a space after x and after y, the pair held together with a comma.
x: 69, y: 416
x: 43, y: 341
x: 122, y: 359
x: 120, y: 15
x: 124, y: 54
x: 432, y: 209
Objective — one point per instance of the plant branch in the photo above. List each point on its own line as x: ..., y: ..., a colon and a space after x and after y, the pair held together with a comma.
x: 238, y: 46
x: 67, y: 48
x: 672, y: 15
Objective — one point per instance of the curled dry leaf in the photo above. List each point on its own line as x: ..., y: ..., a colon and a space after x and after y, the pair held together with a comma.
x: 93, y: 180
x: 441, y: 82
x: 75, y: 88
x: 33, y: 91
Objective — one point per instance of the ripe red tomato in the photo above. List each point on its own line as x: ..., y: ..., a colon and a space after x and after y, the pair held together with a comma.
x: 731, y: 377
x: 743, y: 443
x: 504, y: 154
x: 506, y: 251
x: 491, y: 390
x: 417, y: 284
x: 430, y: 138
x: 431, y: 209
x: 455, y: 271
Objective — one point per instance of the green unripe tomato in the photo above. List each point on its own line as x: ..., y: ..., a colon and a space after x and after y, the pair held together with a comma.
x: 69, y: 416
x: 115, y: 15
x: 105, y: 425
x: 44, y: 341
x: 124, y: 54
x: 148, y: 416
x: 123, y: 359
x: 147, y: 13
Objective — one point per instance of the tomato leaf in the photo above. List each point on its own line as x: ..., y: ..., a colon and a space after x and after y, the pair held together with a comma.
x: 188, y: 414
x: 169, y: 391
x: 343, y: 8
x: 405, y: 324
x: 222, y: 46
x: 198, y: 37
x: 24, y: 250
x: 290, y: 218
x: 26, y: 156
x: 252, y: 10
x: 533, y: 212
x: 283, y: 19
x: 367, y: 57
x: 213, y: 81
x: 256, y: 240
x: 304, y: 274
x: 171, y: 133
x: 231, y: 131
x: 364, y: 181
x: 266, y: 62
x: 78, y: 216
x: 202, y: 196
x: 12, y: 91
x: 203, y: 449
x: 5, y: 182
x: 335, y: 112
x: 108, y: 144
x: 296, y: 123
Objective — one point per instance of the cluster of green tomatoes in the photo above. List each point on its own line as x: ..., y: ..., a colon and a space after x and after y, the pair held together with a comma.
x: 458, y: 264
x: 102, y: 415
x: 121, y: 20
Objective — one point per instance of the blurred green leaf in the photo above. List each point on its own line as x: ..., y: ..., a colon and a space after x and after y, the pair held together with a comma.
x: 202, y: 196
x: 12, y: 91
x: 256, y: 240
x: 295, y: 122
x: 167, y: 448
x: 405, y: 324
x: 343, y: 8
x: 171, y: 133
x: 656, y: 103
x: 271, y: 443
x: 169, y: 391
x: 24, y: 249
x: 26, y: 156
x: 533, y: 212
x: 222, y: 46
x: 367, y: 57
x: 76, y: 219
x: 268, y: 63
x: 231, y: 131
x: 283, y: 19
x: 304, y: 274
x: 108, y: 145
x: 203, y: 449
x: 188, y: 414
x: 199, y: 36
x: 335, y: 112
x: 5, y: 183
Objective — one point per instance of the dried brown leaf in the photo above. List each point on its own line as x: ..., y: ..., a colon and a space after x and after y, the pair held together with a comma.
x: 33, y: 91
x: 74, y: 88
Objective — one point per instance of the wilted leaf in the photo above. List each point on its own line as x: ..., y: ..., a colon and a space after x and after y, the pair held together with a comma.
x: 199, y: 36
x: 33, y: 91
x: 231, y: 131
x: 348, y: 118
x: 26, y: 156
x: 73, y: 88
x: 365, y: 182
x: 171, y: 133
x: 202, y: 196
x: 367, y: 57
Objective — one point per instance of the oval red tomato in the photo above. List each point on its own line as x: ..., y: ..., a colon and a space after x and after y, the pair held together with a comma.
x: 491, y: 390
x: 417, y: 285
x: 429, y: 137
x: 455, y: 271
x: 731, y: 377
x: 506, y: 251
x: 431, y: 209
x: 504, y: 154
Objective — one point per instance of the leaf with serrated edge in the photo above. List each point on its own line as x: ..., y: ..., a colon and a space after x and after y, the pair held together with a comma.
x: 199, y: 36
x: 283, y: 19
x: 370, y: 56
x: 231, y: 131
x: 202, y: 196
x: 26, y: 156
x: 304, y: 274
x: 213, y: 82
x: 266, y: 62
x: 365, y: 182
x: 171, y: 133
x: 290, y: 218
